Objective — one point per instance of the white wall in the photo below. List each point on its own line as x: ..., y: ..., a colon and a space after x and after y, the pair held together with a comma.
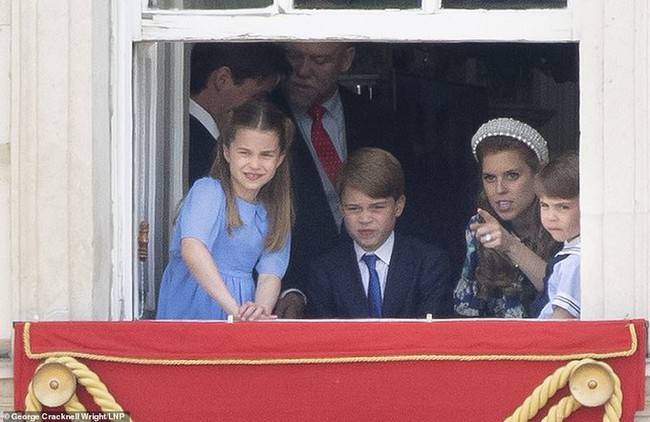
x: 615, y: 158
x: 5, y: 169
x: 60, y: 150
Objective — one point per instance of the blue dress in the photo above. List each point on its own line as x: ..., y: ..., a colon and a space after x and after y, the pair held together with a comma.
x: 203, y: 217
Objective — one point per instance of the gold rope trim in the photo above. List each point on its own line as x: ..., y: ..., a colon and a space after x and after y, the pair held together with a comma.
x: 556, y: 381
x: 346, y: 359
x: 562, y: 409
x: 84, y: 376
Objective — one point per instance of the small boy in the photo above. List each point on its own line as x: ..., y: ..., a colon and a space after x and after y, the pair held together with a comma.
x: 557, y: 186
x: 375, y: 272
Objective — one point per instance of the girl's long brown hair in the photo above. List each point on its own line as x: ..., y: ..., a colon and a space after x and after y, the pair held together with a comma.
x: 276, y: 195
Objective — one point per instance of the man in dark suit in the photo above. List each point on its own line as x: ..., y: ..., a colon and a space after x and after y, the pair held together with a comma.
x: 350, y: 121
x: 224, y: 76
x: 377, y: 273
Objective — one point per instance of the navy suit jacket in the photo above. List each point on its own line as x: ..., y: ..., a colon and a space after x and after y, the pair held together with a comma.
x: 417, y: 283
x: 202, y: 151
x: 315, y: 230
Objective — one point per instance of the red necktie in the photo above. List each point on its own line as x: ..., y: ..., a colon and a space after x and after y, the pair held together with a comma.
x: 322, y: 142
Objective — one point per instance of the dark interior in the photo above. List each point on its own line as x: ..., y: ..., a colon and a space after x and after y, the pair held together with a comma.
x: 441, y: 93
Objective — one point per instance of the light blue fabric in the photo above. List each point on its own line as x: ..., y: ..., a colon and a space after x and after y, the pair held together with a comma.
x: 563, y: 284
x: 203, y: 217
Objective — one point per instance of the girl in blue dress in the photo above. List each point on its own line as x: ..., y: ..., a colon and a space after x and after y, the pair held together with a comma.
x: 233, y: 222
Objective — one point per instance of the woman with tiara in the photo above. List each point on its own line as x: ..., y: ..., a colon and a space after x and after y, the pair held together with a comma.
x: 507, y: 247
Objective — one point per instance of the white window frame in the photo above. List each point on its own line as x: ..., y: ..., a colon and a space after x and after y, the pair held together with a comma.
x: 432, y: 24
x: 134, y: 23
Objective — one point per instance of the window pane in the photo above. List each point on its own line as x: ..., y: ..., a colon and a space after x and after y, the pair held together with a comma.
x: 504, y: 4
x: 357, y: 4
x: 209, y: 4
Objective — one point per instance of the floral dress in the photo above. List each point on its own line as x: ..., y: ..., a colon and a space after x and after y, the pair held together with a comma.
x: 467, y: 301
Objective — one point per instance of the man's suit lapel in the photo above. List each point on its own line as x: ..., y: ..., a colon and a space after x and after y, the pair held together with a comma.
x: 305, y: 162
x: 396, y: 286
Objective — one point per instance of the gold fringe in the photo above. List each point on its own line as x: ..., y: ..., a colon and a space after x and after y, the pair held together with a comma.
x: 346, y: 359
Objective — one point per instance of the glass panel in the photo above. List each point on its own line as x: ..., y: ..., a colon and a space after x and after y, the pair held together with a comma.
x: 209, y: 4
x: 504, y: 4
x: 357, y: 4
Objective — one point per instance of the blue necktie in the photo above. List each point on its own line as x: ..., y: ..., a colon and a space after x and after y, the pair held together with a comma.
x: 374, y: 290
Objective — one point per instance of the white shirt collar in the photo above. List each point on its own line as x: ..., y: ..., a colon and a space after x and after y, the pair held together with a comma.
x: 570, y: 247
x: 573, y: 242
x: 384, y: 252
x: 334, y: 104
x: 205, y: 118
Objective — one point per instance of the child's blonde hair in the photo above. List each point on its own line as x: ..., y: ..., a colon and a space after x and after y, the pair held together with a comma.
x: 373, y: 171
x: 276, y: 195
x: 560, y: 178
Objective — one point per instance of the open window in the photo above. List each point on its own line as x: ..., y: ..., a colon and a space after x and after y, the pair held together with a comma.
x: 440, y: 94
x: 443, y: 83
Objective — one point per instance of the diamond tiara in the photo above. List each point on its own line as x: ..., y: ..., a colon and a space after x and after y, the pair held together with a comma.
x: 511, y: 128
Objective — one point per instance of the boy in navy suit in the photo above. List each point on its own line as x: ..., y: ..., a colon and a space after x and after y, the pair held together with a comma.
x: 377, y: 273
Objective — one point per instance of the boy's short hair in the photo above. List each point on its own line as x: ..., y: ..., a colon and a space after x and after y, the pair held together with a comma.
x: 560, y: 178
x: 257, y: 60
x: 373, y: 171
